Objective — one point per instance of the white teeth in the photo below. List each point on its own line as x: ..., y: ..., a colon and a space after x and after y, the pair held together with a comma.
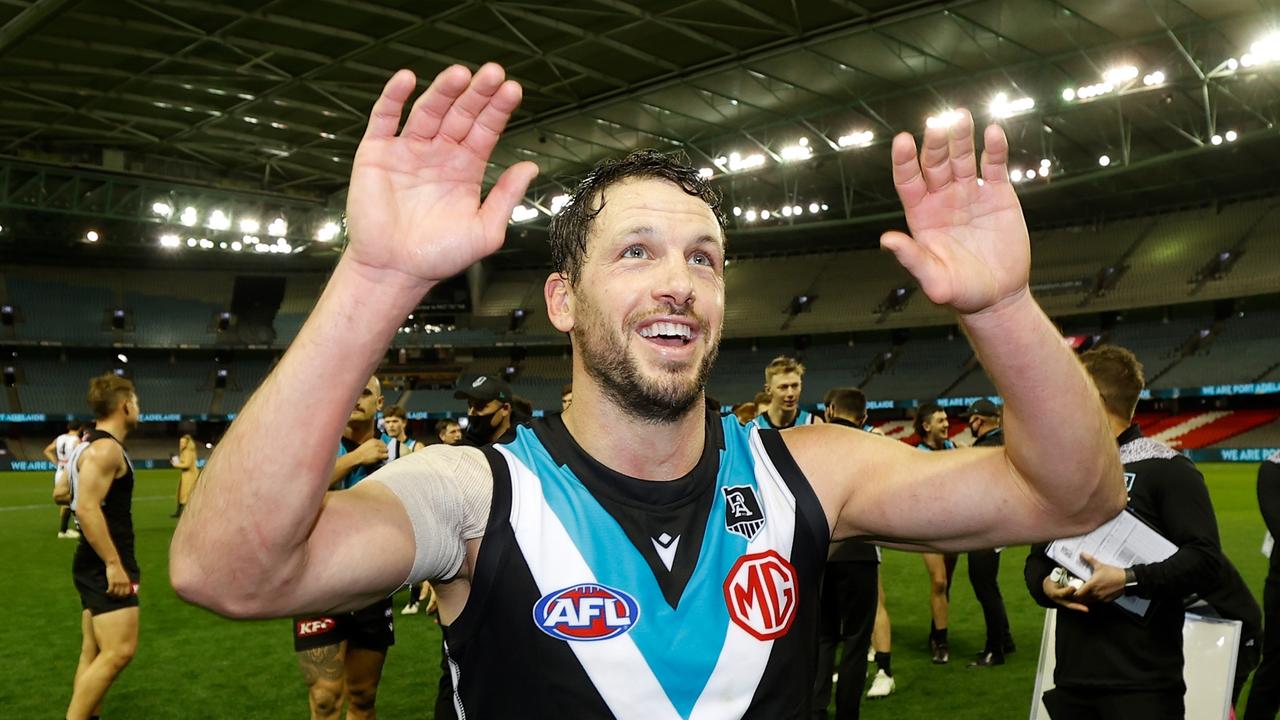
x: 667, y: 329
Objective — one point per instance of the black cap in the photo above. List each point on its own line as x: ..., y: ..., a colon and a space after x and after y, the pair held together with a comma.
x: 484, y: 388
x: 983, y: 407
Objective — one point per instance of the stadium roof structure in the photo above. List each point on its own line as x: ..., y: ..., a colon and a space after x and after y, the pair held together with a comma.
x: 114, y: 108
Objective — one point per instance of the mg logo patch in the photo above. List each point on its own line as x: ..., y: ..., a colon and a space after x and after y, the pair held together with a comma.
x: 742, y: 513
x: 763, y: 594
x: 586, y: 612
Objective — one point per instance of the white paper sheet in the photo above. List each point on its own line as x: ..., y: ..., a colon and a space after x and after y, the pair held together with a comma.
x: 1122, y: 541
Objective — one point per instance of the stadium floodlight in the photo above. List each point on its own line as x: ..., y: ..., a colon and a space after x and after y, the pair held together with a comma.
x: 1266, y: 50
x: 1231, y: 136
x: 558, y: 202
x: 189, y: 216
x: 262, y: 247
x: 91, y: 236
x: 249, y: 226
x: 223, y: 245
x: 169, y: 240
x: 739, y: 163
x: 862, y: 138
x: 218, y: 220
x: 523, y: 213
x: 163, y: 209
x: 328, y: 231
x: 1153, y: 79
x: 1031, y: 175
x: 765, y: 214
x: 191, y: 242
x: 737, y: 211
x: 278, y: 228
x: 1104, y: 160
x: 751, y: 215
x: 786, y: 211
x: 824, y: 207
x: 706, y: 172
x: 1045, y: 163
x: 1120, y: 74
x: 206, y: 243
x: 795, y: 153
x: 814, y: 208
x: 1216, y: 139
x: 122, y: 357
x: 236, y: 246
x: 1015, y: 175
x: 944, y: 119
x: 1002, y: 107
x: 1068, y: 94
x: 251, y: 120
x: 796, y: 210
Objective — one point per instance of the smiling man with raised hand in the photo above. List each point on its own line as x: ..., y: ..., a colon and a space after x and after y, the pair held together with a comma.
x: 637, y: 556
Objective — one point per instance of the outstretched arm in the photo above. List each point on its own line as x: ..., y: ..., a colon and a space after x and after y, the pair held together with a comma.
x: 259, y: 537
x: 969, y: 249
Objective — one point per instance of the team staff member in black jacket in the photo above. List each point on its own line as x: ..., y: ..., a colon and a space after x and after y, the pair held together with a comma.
x: 1110, y: 664
x: 983, y: 418
x: 1264, y: 697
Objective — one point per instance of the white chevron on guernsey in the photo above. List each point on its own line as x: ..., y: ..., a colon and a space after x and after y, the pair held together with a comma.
x: 1169, y: 436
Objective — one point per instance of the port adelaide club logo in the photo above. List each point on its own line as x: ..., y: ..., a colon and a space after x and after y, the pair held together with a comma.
x: 586, y: 613
x: 742, y: 513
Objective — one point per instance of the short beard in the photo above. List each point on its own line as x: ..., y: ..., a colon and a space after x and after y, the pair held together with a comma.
x: 606, y: 359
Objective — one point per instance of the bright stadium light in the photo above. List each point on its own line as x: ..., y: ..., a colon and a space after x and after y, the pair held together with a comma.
x: 737, y: 211
x: 191, y: 242
x: 169, y: 240
x: 236, y: 246
x: 122, y: 357
x: 1031, y: 175
x: 706, y: 172
x: 1266, y: 50
x: 796, y: 210
x: 278, y: 228
x: 1120, y: 74
x: 1153, y: 79
x: 765, y: 214
x: 189, y: 216
x: 222, y: 245
x: 1002, y: 107
x: 786, y: 211
x: 814, y: 208
x: 1015, y: 175
x: 558, y: 202
x: 739, y: 163
x: 249, y: 226
x: 1069, y: 94
x: 944, y: 119
x: 751, y: 215
x: 327, y: 232
x: 218, y: 220
x: 856, y: 139
x: 797, y: 152
x: 1231, y: 136
x: 163, y: 209
x: 1104, y: 160
x: 522, y: 213
x: 262, y: 248
x: 1216, y: 139
x: 91, y: 236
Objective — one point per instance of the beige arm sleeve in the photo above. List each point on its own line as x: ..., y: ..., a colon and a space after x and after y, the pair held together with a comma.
x: 446, y: 492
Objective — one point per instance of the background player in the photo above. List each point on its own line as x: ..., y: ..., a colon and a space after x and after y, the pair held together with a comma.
x: 398, y: 443
x: 983, y: 419
x: 932, y: 427
x: 187, y: 461
x: 784, y: 381
x: 341, y: 654
x: 59, y: 453
x: 105, y: 569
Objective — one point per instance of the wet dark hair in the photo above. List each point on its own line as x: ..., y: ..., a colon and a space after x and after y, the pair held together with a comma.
x: 571, y: 228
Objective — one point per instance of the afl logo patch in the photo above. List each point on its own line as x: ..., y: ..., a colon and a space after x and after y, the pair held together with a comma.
x: 586, y: 613
x: 742, y: 513
x: 762, y: 594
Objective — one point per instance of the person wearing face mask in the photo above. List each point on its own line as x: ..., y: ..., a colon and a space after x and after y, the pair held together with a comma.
x: 983, y: 418
x: 488, y: 411
x: 849, y: 595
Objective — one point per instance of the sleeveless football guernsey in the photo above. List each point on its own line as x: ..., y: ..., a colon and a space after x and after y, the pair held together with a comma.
x: 597, y: 595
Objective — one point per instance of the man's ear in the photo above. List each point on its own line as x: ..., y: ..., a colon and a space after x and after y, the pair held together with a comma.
x: 559, y: 297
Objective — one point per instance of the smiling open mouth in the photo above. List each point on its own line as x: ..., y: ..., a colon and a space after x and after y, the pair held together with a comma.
x: 667, y: 333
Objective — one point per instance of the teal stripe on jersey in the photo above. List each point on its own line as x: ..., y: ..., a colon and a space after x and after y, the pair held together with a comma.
x: 803, y: 417
x: 682, y: 645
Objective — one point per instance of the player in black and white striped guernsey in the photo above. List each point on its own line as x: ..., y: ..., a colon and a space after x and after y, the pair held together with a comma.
x: 636, y: 556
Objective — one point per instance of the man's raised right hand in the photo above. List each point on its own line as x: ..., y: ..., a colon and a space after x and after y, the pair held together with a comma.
x: 414, y: 211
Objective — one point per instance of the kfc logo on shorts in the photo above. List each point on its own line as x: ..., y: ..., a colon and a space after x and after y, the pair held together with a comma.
x: 742, y: 513
x: 318, y: 626
x: 762, y: 594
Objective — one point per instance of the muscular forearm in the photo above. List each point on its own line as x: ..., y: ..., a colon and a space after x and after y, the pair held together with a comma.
x: 1071, y: 467
x: 94, y: 528
x: 344, y: 465
x: 244, y: 533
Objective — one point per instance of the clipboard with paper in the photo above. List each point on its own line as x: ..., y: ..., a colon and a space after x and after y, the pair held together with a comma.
x: 1122, y: 541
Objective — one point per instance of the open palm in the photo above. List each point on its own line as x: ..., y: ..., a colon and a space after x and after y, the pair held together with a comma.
x: 414, y: 205
x: 968, y: 246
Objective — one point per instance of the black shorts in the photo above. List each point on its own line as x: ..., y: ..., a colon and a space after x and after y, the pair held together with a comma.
x: 90, y: 576
x: 371, y: 628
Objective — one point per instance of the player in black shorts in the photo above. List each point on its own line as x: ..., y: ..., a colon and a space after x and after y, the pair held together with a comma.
x: 105, y: 570
x: 341, y: 654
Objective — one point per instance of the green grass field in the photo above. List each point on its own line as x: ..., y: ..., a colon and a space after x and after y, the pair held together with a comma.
x: 192, y: 664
